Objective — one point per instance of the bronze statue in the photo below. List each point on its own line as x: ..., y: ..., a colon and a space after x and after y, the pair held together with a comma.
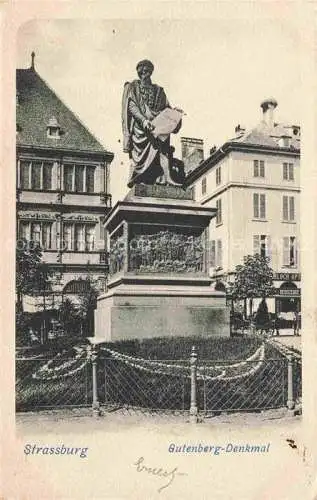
x: 149, y: 150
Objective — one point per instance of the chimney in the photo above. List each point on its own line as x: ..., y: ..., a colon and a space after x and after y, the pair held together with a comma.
x: 190, y: 144
x: 192, y: 152
x: 32, y: 61
x: 268, y: 106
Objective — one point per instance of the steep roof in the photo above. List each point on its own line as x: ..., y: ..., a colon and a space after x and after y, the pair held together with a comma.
x: 262, y: 138
x: 37, y: 105
x: 264, y: 135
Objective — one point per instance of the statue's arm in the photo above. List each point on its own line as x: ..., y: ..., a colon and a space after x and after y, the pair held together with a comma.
x: 135, y: 112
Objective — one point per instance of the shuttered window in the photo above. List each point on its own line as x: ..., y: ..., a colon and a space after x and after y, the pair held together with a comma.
x: 259, y: 206
x: 218, y: 176
x: 204, y: 185
x: 219, y: 253
x: 212, y: 254
x: 288, y: 171
x: 290, y: 252
x: 262, y: 245
x: 258, y: 168
x: 288, y: 208
x: 219, y: 211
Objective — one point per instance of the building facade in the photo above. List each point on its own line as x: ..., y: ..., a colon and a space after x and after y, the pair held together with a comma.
x: 254, y: 182
x: 62, y: 185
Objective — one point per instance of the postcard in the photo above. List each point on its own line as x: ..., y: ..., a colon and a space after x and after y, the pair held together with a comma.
x: 159, y: 241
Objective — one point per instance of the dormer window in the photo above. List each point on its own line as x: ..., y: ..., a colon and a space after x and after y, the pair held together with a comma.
x: 18, y: 98
x: 284, y: 142
x: 53, y: 128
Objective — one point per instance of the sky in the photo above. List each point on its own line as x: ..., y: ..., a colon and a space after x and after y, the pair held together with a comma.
x: 217, y: 71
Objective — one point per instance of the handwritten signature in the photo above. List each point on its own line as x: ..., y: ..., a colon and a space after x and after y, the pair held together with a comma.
x: 158, y: 472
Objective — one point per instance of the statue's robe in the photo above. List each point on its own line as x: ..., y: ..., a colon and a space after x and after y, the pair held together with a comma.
x: 139, y: 104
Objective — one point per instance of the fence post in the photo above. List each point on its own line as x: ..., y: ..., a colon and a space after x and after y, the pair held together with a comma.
x: 290, y: 383
x: 95, y: 402
x: 193, y: 412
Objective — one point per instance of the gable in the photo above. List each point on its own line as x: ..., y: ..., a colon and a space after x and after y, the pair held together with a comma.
x: 37, y: 105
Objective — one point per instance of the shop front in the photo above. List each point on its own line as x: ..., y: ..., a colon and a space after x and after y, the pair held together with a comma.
x: 288, y: 294
x: 288, y: 299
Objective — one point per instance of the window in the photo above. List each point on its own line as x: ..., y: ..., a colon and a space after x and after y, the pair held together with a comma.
x: 36, y: 233
x: 288, y: 171
x: 79, y: 237
x: 47, y: 176
x: 24, y: 230
x: 204, y: 185
x: 79, y: 178
x: 53, y: 128
x: 40, y: 232
x: 288, y: 208
x: 289, y: 251
x: 218, y: 176
x: 90, y: 238
x: 25, y: 174
x: 68, y: 240
x: 219, y: 211
x: 36, y: 175
x: 215, y: 253
x: 262, y: 245
x: 259, y: 206
x: 79, y: 240
x: 258, y: 168
x: 90, y: 179
x: 212, y: 254
x: 219, y: 253
x: 284, y: 142
x: 46, y: 235
x: 53, y: 132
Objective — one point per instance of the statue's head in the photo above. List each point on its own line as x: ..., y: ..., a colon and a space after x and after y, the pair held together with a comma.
x: 144, y: 68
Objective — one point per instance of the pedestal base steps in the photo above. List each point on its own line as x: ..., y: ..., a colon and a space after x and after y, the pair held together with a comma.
x: 148, y: 311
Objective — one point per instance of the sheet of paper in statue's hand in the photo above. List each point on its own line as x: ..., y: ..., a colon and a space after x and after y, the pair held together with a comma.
x: 166, y: 122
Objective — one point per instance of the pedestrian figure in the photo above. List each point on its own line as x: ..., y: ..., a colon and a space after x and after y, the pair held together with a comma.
x: 276, y: 325
x: 296, y: 323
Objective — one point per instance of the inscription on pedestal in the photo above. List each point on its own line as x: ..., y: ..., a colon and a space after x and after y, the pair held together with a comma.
x: 161, y: 191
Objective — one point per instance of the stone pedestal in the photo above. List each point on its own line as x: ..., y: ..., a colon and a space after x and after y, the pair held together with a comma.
x: 159, y: 284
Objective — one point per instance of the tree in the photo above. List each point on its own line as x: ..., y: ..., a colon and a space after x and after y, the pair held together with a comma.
x: 87, y: 305
x: 68, y: 317
x: 262, y: 315
x: 253, y: 279
x: 32, y: 275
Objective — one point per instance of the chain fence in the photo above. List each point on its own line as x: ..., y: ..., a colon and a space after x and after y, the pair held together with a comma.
x: 113, y: 381
x: 261, y: 389
x: 127, y: 387
x: 41, y: 385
